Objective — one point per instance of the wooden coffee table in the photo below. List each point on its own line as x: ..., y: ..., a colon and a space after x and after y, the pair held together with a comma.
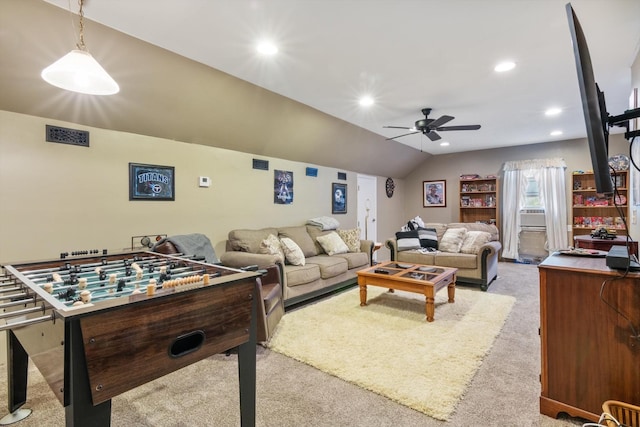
x: 417, y: 278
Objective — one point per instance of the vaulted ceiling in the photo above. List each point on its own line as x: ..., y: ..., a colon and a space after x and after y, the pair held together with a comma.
x: 188, y: 71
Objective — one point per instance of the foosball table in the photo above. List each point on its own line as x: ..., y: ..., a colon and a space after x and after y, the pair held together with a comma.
x: 97, y: 326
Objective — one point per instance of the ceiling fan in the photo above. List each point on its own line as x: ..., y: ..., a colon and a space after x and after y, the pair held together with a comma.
x: 429, y: 126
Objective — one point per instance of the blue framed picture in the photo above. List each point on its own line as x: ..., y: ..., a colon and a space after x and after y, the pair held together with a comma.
x: 151, y: 182
x: 282, y: 187
x: 338, y: 198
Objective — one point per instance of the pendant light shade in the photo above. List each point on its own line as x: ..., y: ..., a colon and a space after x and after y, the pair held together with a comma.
x: 78, y: 71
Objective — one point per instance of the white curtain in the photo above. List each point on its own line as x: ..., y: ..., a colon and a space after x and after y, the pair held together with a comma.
x: 634, y: 154
x: 550, y: 175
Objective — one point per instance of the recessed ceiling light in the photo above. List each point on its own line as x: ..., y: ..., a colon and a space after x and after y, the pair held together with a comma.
x: 556, y: 133
x: 267, y: 48
x: 505, y: 66
x: 444, y: 144
x: 553, y: 111
x: 366, y: 101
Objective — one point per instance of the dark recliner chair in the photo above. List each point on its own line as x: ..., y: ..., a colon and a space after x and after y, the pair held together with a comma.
x: 271, y: 303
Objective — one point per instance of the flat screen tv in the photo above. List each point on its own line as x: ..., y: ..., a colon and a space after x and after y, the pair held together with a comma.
x: 593, y: 107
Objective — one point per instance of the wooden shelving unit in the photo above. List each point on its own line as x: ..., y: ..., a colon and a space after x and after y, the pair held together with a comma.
x: 479, y: 200
x: 591, y: 211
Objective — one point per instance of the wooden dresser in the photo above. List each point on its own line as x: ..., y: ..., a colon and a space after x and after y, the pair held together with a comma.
x: 588, y: 352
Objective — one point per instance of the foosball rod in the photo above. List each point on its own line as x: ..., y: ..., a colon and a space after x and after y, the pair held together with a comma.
x: 18, y: 302
x: 90, y: 265
x: 105, y: 284
x: 13, y: 296
x: 42, y: 276
x: 106, y: 292
x: 16, y: 313
x: 5, y: 288
x: 23, y: 323
x: 103, y: 293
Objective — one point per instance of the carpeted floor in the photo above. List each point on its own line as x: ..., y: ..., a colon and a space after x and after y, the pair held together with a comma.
x: 504, y: 392
x: 388, y: 347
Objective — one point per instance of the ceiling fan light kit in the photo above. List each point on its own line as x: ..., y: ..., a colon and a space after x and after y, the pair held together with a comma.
x: 428, y: 127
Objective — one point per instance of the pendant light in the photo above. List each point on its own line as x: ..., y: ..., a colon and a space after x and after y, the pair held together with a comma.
x: 78, y: 71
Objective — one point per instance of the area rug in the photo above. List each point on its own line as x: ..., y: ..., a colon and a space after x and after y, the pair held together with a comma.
x: 387, y: 346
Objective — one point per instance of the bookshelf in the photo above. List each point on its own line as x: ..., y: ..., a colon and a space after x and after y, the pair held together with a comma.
x: 591, y: 210
x: 479, y: 200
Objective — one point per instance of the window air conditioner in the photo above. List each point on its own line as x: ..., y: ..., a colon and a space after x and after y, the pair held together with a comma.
x: 532, y: 218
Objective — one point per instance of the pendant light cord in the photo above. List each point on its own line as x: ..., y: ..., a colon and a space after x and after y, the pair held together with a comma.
x: 81, y: 45
x: 80, y: 38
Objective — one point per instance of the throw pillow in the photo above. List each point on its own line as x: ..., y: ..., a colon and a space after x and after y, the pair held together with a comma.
x: 271, y: 246
x: 314, y: 232
x: 351, y: 238
x: 428, y: 237
x: 407, y: 240
x: 473, y: 240
x: 452, y: 240
x: 292, y: 252
x: 333, y: 244
x: 301, y: 237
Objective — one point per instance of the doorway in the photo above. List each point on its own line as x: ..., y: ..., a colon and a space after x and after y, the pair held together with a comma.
x: 367, y: 204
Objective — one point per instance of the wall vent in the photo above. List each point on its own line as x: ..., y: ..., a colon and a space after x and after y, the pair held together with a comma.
x: 342, y: 175
x: 67, y: 136
x: 261, y: 164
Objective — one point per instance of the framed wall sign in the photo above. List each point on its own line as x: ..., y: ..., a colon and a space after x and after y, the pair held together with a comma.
x: 434, y: 193
x: 338, y: 198
x: 151, y: 182
x: 282, y: 187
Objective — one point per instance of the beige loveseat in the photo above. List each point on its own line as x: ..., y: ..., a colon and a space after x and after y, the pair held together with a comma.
x: 479, y: 267
x: 320, y: 274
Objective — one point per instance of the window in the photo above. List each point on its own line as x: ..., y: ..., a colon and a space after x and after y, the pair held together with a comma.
x: 532, y: 195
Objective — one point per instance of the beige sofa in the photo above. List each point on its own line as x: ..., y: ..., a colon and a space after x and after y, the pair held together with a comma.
x: 478, y: 268
x: 320, y: 274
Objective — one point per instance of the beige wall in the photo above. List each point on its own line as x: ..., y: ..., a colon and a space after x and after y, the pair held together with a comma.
x: 485, y: 162
x: 57, y: 197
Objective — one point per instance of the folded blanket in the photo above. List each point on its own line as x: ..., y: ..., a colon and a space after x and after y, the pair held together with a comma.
x: 325, y: 222
x: 195, y: 244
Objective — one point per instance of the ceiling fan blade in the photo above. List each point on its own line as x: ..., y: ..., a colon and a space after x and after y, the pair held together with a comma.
x: 396, y: 127
x: 440, y: 121
x: 463, y: 127
x: 433, y: 136
x: 411, y: 133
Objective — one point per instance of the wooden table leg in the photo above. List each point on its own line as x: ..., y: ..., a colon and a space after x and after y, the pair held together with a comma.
x: 363, y: 294
x: 451, y: 290
x: 430, y: 304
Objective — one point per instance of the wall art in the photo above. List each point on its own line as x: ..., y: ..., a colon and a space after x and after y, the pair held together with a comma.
x: 151, y: 182
x: 338, y: 198
x: 434, y: 193
x: 282, y: 187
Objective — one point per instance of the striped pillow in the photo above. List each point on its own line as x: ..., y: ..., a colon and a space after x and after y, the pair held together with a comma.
x: 428, y: 237
x: 407, y: 240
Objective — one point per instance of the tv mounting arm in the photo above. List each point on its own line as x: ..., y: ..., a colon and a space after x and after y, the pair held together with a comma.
x: 622, y: 120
